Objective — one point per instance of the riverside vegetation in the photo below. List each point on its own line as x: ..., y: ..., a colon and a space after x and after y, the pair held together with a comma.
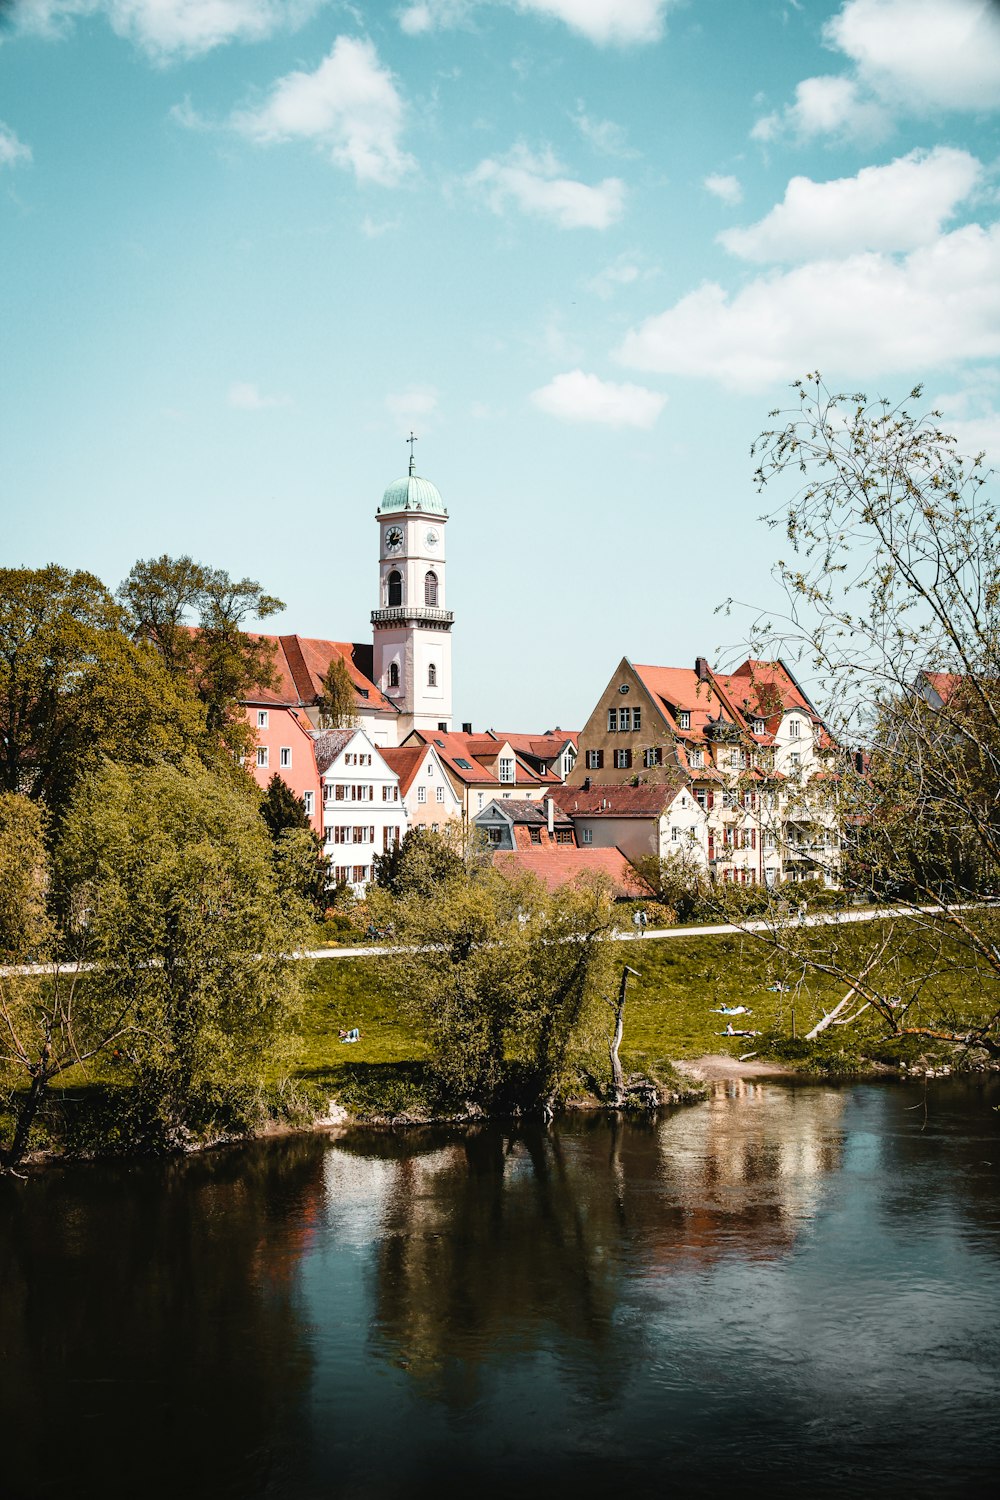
x: 133, y: 842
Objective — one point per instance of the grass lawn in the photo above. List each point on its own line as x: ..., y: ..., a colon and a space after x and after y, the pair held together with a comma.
x: 670, y: 1014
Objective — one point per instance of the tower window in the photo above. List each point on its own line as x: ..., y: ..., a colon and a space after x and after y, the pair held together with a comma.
x: 394, y: 674
x: 395, y: 581
x: 432, y: 675
x: 431, y: 589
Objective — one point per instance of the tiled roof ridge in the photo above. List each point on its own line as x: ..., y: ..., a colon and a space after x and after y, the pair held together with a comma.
x: 300, y: 674
x: 328, y: 744
x: 410, y: 758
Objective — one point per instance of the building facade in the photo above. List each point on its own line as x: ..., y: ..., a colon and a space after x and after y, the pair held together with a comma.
x: 362, y: 809
x: 412, y: 625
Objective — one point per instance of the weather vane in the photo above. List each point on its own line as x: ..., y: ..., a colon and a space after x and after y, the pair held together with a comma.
x: 411, y: 440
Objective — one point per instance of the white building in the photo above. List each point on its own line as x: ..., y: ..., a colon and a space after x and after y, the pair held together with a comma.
x: 362, y: 811
x: 412, y: 626
x: 429, y: 799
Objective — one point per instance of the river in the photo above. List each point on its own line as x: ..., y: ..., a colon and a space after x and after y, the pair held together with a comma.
x: 790, y: 1288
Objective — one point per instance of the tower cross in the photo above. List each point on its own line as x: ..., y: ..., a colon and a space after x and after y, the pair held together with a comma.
x: 411, y: 440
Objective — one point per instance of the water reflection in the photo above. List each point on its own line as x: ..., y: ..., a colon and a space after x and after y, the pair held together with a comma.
x: 783, y: 1287
x: 512, y: 1236
x: 149, y: 1332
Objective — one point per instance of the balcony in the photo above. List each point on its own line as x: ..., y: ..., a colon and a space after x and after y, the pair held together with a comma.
x: 419, y: 614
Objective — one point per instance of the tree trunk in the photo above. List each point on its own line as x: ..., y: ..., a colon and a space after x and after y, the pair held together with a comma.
x: 27, y: 1112
x: 617, y: 1078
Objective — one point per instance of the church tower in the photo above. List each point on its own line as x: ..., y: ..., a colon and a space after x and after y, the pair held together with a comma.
x: 411, y: 627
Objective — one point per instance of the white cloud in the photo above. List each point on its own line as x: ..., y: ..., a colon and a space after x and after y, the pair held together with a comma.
x: 726, y: 189
x: 972, y: 415
x: 578, y: 397
x: 12, y: 149
x: 170, y: 28
x: 867, y: 315
x: 432, y: 15
x: 373, y: 229
x: 939, y: 54
x: 416, y: 401
x: 245, y: 396
x: 620, y: 273
x: 606, y: 22
x: 534, y: 184
x: 829, y: 105
x: 349, y: 105
x: 605, y: 136
x: 909, y: 57
x: 896, y: 207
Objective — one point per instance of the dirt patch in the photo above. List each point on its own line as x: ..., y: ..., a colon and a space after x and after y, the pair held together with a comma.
x: 716, y: 1065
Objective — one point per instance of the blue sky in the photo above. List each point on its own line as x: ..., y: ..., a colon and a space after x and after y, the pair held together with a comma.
x: 580, y: 246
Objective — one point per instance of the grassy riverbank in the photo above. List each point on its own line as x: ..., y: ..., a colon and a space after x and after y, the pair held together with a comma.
x: 672, y: 1015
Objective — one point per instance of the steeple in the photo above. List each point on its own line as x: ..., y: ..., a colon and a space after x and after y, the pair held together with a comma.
x: 412, y: 626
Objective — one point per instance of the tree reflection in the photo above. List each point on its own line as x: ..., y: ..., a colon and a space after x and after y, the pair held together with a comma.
x: 504, y: 1243
x: 150, y: 1340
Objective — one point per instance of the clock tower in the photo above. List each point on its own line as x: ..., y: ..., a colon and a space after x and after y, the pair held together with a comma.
x: 412, y: 627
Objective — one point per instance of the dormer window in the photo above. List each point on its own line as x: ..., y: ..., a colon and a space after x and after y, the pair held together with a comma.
x: 794, y: 729
x: 758, y: 726
x: 395, y: 593
x: 683, y: 718
x: 506, y: 768
x: 431, y: 589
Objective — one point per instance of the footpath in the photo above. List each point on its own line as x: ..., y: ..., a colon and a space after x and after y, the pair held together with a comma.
x: 643, y: 935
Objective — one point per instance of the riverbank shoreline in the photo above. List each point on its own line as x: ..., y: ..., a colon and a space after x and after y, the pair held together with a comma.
x: 692, y: 1084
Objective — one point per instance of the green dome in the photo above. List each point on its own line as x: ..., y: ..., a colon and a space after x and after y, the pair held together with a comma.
x: 412, y: 493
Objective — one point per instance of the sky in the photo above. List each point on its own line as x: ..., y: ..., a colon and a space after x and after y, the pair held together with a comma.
x: 580, y: 247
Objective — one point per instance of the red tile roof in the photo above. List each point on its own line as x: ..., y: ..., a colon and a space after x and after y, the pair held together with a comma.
x: 648, y: 800
x: 406, y: 761
x: 301, y: 662
x: 943, y: 683
x: 559, y: 864
x: 520, y: 811
x: 541, y: 746
x: 477, y: 749
x: 676, y: 688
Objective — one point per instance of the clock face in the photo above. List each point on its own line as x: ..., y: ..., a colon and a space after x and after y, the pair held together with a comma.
x: 431, y: 538
x: 393, y: 538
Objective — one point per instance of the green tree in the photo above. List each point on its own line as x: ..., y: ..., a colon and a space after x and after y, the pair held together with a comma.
x: 190, y: 930
x: 421, y: 863
x: 74, y: 688
x: 194, y: 618
x: 298, y: 849
x: 893, y: 588
x: 49, y: 1020
x: 504, y: 977
x: 338, y: 700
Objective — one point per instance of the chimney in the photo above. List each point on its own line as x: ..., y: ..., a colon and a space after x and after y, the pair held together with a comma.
x: 466, y: 728
x: 550, y: 813
x: 586, y: 783
x: 701, y: 668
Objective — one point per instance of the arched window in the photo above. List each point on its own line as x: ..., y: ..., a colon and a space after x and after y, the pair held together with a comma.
x: 431, y: 589
x: 432, y: 675
x: 394, y: 674
x: 395, y: 582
